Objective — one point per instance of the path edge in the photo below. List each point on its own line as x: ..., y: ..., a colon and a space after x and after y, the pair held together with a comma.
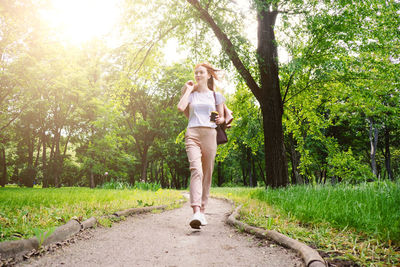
x: 16, y: 249
x: 309, y: 255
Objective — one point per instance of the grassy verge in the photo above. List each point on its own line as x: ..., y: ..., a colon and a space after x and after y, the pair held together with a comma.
x: 26, y: 212
x: 357, y: 223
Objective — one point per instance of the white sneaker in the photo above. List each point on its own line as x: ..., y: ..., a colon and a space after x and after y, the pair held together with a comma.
x: 196, y: 221
x: 203, y: 219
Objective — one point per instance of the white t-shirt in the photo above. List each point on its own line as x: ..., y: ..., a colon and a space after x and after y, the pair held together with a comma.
x: 200, y: 107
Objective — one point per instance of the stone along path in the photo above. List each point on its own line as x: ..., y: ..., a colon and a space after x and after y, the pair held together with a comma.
x: 166, y: 239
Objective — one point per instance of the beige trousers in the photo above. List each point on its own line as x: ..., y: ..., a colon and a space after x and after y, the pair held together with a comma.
x: 201, y: 147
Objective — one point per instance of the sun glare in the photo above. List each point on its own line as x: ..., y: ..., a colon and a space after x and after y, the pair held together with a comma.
x: 78, y: 21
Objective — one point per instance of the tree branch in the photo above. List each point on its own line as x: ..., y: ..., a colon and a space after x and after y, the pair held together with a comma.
x: 228, y: 47
x: 162, y: 35
x: 288, y: 86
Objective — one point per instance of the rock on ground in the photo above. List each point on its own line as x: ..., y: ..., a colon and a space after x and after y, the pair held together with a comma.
x: 166, y: 239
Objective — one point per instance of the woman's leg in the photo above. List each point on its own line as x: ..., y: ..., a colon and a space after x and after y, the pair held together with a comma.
x: 196, y: 171
x: 209, y: 150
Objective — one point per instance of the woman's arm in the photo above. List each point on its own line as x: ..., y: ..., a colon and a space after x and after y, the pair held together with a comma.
x: 220, y: 118
x: 184, y: 101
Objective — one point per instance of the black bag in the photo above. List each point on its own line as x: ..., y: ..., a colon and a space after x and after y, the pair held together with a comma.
x: 222, y: 138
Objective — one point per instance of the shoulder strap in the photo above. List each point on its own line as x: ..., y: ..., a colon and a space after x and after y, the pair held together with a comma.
x: 215, y: 100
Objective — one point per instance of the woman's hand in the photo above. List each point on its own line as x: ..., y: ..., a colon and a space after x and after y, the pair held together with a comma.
x: 190, y: 85
x: 219, y: 120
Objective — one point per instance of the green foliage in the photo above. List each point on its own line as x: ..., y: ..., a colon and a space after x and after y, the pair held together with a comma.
x: 343, y: 165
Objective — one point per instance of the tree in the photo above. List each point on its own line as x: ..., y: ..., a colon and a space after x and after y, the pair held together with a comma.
x: 268, y: 92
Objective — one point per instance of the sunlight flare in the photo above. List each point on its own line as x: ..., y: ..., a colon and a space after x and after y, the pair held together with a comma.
x: 79, y: 21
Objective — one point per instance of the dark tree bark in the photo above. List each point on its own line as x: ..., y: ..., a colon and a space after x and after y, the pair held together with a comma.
x: 250, y: 168
x: 373, y: 138
x: 387, y: 154
x: 156, y: 172
x: 39, y: 145
x: 244, y: 174
x: 92, y: 183
x: 3, y: 164
x: 44, y: 161
x: 220, y: 176
x: 31, y: 146
x: 144, y: 164
x: 254, y: 171
x: 297, y: 178
x: 261, y: 172
x: 174, y: 179
x: 271, y: 100
x: 268, y: 94
x: 132, y: 177
x: 162, y: 178
x: 56, y: 162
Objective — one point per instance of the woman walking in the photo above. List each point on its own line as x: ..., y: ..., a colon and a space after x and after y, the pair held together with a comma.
x: 198, y: 101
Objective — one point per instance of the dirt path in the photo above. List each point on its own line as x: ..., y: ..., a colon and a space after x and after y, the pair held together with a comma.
x: 165, y: 239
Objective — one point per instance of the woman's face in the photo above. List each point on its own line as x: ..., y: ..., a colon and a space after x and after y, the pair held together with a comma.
x: 201, y: 75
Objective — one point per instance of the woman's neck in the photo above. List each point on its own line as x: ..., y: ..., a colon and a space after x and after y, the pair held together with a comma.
x: 202, y: 88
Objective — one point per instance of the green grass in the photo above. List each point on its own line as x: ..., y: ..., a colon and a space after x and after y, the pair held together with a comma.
x: 352, y: 222
x: 125, y: 185
x: 25, y: 212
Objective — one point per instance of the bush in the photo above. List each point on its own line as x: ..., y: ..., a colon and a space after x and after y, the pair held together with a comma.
x: 344, y: 165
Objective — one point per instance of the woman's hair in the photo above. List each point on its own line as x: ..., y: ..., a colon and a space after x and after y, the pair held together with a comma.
x: 212, y: 72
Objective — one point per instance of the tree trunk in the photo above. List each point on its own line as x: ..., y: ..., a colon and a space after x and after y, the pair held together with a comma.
x: 220, y: 177
x: 162, y: 179
x: 387, y: 154
x: 3, y: 164
x: 132, y: 177
x: 143, y: 176
x: 57, y: 160
x: 271, y: 100
x: 262, y: 172
x: 37, y: 155
x: 251, y: 172
x: 244, y: 174
x: 297, y: 178
x: 156, y: 172
x: 253, y: 166
x: 268, y: 94
x: 92, y: 184
x: 31, y: 146
x: 44, y: 163
x: 373, y: 138
x: 151, y: 178
x: 174, y: 183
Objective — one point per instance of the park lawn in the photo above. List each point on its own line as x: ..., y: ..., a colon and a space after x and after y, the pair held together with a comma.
x: 360, y: 223
x: 28, y: 212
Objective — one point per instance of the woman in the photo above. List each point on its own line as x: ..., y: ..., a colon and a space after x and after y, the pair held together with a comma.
x: 197, y: 102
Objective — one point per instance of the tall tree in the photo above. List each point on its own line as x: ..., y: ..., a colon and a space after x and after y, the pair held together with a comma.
x: 267, y: 91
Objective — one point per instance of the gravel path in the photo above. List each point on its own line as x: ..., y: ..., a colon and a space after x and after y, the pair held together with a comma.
x: 166, y: 239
